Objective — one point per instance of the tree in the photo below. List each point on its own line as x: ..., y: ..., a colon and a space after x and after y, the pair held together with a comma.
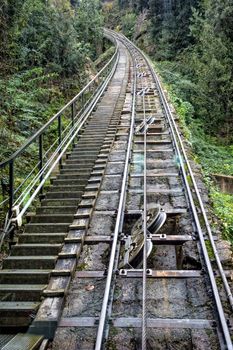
x: 212, y: 65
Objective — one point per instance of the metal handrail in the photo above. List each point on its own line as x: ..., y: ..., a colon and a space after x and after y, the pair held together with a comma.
x: 84, y: 99
x: 58, y: 114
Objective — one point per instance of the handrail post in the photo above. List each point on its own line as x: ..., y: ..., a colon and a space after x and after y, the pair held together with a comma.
x: 41, y: 159
x: 11, y: 184
x: 73, y: 113
x: 59, y: 137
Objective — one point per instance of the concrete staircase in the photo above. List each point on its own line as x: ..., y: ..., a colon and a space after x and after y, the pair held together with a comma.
x: 25, y: 273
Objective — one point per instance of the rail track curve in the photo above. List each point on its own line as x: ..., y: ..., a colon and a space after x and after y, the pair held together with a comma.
x: 115, y: 255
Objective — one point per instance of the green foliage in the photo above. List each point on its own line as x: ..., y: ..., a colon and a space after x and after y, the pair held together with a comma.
x: 223, y: 205
x: 44, y: 41
x: 196, y: 36
x: 128, y: 22
x: 50, y: 34
x: 102, y: 59
x: 88, y: 25
x: 170, y: 26
x: 111, y: 14
x: 213, y: 157
x: 212, y: 59
x: 26, y: 102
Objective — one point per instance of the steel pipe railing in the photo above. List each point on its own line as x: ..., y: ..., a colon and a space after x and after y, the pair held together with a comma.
x: 77, y: 119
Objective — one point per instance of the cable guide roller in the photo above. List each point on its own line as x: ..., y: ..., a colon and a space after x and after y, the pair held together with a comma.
x: 132, y: 247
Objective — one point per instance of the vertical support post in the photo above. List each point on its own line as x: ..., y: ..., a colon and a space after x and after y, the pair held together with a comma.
x: 59, y: 136
x: 41, y: 159
x: 11, y: 184
x: 73, y: 113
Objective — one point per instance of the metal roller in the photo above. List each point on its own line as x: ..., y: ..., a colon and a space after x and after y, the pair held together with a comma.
x: 141, y: 128
x: 132, y: 247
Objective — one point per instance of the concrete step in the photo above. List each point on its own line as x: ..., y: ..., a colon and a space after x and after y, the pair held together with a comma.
x: 90, y: 131
x: 77, y: 182
x: 52, y: 218
x: 82, y: 158
x: 98, y: 124
x: 64, y: 195
x: 85, y: 173
x: 36, y: 249
x: 84, y: 153
x: 47, y: 227
x: 84, y: 163
x: 67, y: 188
x: 17, y: 314
x: 84, y: 167
x: 94, y: 137
x: 28, y: 276
x: 58, y: 202
x: 30, y: 262
x: 80, y: 177
x: 89, y: 143
x: 48, y: 238
x: 21, y: 292
x: 56, y: 210
x: 87, y: 148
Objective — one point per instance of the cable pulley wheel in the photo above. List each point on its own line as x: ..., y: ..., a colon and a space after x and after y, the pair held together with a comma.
x: 131, y: 252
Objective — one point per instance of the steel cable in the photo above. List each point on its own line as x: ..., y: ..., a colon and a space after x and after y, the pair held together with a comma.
x: 144, y: 282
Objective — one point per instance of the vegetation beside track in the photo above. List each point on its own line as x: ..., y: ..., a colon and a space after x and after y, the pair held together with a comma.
x: 206, y: 150
x: 48, y: 50
x: 191, y: 43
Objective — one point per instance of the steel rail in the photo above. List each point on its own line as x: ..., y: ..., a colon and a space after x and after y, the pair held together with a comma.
x: 218, y: 302
x: 175, y: 135
x: 144, y: 277
x: 103, y: 313
x: 203, y: 211
x: 168, y: 113
x: 111, y: 296
x: 71, y: 137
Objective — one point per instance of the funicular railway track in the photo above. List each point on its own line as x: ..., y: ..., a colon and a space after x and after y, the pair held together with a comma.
x: 123, y: 194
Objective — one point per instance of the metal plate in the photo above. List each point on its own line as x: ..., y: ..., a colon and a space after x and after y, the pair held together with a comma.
x: 140, y: 129
x: 24, y: 341
x: 5, y: 338
x: 134, y: 322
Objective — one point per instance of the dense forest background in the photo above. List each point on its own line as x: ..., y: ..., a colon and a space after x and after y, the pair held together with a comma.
x: 47, y: 52
x: 50, y: 48
x: 191, y: 44
x: 196, y: 35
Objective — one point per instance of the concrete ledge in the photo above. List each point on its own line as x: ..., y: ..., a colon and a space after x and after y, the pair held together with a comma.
x: 224, y: 182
